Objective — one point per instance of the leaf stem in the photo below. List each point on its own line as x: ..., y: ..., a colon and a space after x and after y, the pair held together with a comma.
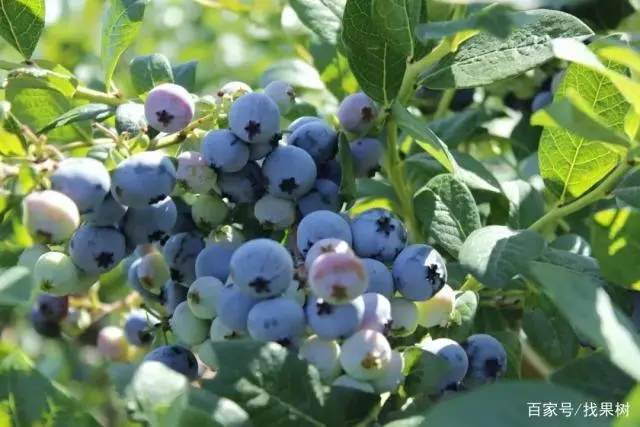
x: 533, y: 358
x: 92, y: 95
x: 444, y: 103
x: 594, y: 195
x: 415, y: 68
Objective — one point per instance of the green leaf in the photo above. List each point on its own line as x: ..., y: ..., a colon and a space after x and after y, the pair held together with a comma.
x: 632, y: 404
x: 465, y: 310
x: 571, y: 164
x: 296, y: 72
x: 511, y: 343
x: 424, y: 137
x: 376, y: 188
x: 397, y: 20
x: 495, y: 254
x: 526, y: 204
x: 323, y: 17
x: 185, y: 75
x: 43, y: 74
x: 573, y: 261
x: 528, y: 46
x: 615, y: 238
x: 207, y: 409
x: 13, y: 141
x: 494, y: 19
x: 460, y: 127
x: 16, y: 286
x: 149, y: 71
x: 423, y: 371
x: 628, y: 191
x: 88, y: 112
x: 376, y: 63
x: 21, y: 24
x: 575, y: 115
x: 121, y: 26
x: 347, y: 178
x: 612, y: 384
x: 587, y: 306
x: 447, y: 211
x: 121, y: 375
x: 509, y: 403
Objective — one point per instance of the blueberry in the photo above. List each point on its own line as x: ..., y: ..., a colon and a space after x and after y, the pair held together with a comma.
x: 377, y: 313
x: 338, y: 277
x: 260, y: 151
x: 203, y: 295
x: 194, y: 174
x: 173, y: 294
x: 169, y: 108
x: 233, y: 89
x: 404, y: 317
x: 437, y: 310
x: 357, y: 113
x: 233, y: 307
x: 135, y: 284
x: 450, y: 351
x: 280, y: 320
x: 419, y: 272
x: 112, y: 344
x: 224, y: 151
x: 220, y: 332
x: 541, y: 100
x: 244, y: 186
x: 151, y: 223
x: 367, y: 156
x: 320, y: 225
x: 325, y: 246
x: 330, y: 170
x: 184, y: 223
x: 379, y: 234
x: 207, y: 355
x: 209, y: 211
x: 215, y: 260
x: 393, y: 375
x: 96, y: 250
x: 557, y: 80
x: 334, y: 321
x: 261, y: 268
x: 296, y: 292
x: 85, y: 180
x: 301, y: 121
x: 180, y: 253
x: 325, y: 195
x: 462, y: 98
x: 188, y: 328
x: 153, y: 272
x: 108, y: 212
x: 143, y: 179
x: 254, y: 118
x: 324, y: 355
x: 289, y: 172
x: 175, y: 357
x: 282, y: 94
x: 52, y: 307
x: 366, y: 355
x: 380, y: 278
x: 55, y: 273
x: 130, y: 118
x: 43, y: 326
x: 274, y: 213
x: 487, y: 358
x: 137, y: 328
x: 50, y: 216
x: 316, y: 138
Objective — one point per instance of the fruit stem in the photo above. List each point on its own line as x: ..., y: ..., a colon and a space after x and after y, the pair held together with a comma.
x: 395, y: 174
x: 92, y: 95
x: 181, y: 136
x: 594, y: 195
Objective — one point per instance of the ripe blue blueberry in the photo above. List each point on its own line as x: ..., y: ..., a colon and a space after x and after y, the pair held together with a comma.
x: 487, y: 359
x: 325, y: 195
x: 43, y: 326
x: 404, y: 317
x: 173, y: 294
x: 320, y: 225
x: 325, y: 246
x: 194, y: 174
x: 233, y: 307
x: 454, y: 354
x: 188, y: 328
x: 380, y: 278
x: 324, y: 355
x: 180, y: 253
x: 357, y: 113
x: 557, y: 79
x: 316, y: 138
x: 184, y: 223
x: 392, y: 377
x: 175, y: 357
x: 289, y: 172
x: 334, y: 321
x: 347, y: 381
x: 203, y: 295
x: 143, y: 179
x: 367, y: 157
x: 169, y: 108
x: 366, y: 355
x: 245, y: 186
x: 338, y: 277
x: 283, y: 94
x: 49, y: 216
x: 96, y: 250
x: 279, y: 319
x: 330, y: 170
x: 224, y: 151
x: 85, y: 180
x: 130, y: 118
x: 419, y: 272
x: 254, y: 118
x: 108, y: 212
x: 209, y: 211
x: 274, y: 213
x: 541, y: 100
x: 301, y: 121
x: 261, y: 268
x: 379, y: 234
x: 151, y: 223
x: 153, y: 272
x: 137, y: 327
x: 52, y: 307
x: 214, y: 260
x: 260, y: 151
x: 377, y: 313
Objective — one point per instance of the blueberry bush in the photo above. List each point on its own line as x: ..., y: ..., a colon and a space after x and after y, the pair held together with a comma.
x: 319, y: 213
